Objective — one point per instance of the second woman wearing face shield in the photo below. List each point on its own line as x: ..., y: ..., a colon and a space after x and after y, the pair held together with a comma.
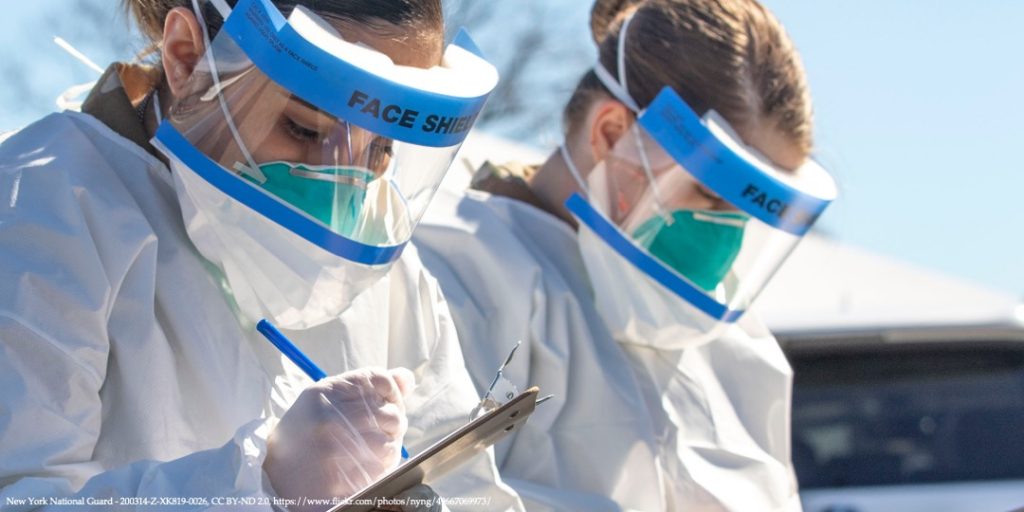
x: 626, y: 261
x: 272, y: 166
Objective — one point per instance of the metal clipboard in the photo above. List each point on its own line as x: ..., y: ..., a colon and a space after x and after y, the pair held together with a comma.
x: 447, y: 454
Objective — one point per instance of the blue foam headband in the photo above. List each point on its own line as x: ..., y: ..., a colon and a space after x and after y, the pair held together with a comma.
x: 680, y: 131
x: 345, y: 90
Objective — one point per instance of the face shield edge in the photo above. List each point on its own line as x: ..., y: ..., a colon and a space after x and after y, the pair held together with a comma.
x: 170, y: 141
x: 685, y: 137
x: 650, y: 266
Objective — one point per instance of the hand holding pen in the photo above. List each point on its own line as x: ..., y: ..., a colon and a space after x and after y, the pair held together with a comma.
x: 342, y: 433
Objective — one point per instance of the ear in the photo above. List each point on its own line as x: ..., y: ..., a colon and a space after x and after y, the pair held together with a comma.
x: 182, y: 48
x: 609, y: 119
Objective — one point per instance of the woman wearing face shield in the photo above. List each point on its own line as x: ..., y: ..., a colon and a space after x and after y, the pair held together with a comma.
x: 626, y: 263
x: 268, y: 167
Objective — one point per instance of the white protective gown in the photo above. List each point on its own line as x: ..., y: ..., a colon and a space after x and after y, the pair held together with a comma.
x: 700, y: 429
x: 123, y: 368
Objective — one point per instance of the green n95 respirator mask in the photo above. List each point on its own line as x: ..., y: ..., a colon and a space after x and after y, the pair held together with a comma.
x: 332, y: 195
x: 716, y: 236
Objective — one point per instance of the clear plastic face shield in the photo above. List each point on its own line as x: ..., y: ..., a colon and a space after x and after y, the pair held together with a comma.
x: 309, y: 159
x: 350, y: 144
x: 702, y: 220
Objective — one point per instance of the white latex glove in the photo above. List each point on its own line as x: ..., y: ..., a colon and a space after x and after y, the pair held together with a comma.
x: 340, y: 435
x: 419, y: 498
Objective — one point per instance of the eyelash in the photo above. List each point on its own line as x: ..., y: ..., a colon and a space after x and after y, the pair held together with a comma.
x: 380, y: 154
x: 303, y: 134
x: 383, y: 145
x: 300, y: 132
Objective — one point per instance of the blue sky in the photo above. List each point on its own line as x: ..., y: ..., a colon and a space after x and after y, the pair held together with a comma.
x: 918, y: 109
x: 919, y: 112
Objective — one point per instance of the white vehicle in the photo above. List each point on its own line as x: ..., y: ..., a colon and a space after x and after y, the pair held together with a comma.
x: 908, y: 385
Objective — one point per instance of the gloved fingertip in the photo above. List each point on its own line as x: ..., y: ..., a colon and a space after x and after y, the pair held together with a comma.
x: 405, y: 379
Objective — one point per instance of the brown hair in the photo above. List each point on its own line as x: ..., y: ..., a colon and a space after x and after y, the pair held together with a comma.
x: 422, y: 15
x: 731, y: 56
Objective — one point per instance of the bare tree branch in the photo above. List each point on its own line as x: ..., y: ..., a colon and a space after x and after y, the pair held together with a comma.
x: 524, y: 38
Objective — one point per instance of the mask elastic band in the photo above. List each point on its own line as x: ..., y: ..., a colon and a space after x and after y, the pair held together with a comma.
x: 618, y: 87
x: 156, y: 106
x: 621, y: 55
x: 253, y: 170
x: 348, y: 141
x: 613, y: 86
x: 646, y: 164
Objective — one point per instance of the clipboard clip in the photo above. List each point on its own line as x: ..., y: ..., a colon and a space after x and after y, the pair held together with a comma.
x: 500, y: 391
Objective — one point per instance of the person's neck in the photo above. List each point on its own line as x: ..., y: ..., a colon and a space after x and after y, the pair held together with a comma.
x: 149, y: 118
x: 553, y: 184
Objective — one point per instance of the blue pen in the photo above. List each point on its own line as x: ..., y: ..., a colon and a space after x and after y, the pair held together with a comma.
x: 296, y: 356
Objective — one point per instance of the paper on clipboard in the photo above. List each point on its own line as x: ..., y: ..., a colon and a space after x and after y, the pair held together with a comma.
x: 447, y: 454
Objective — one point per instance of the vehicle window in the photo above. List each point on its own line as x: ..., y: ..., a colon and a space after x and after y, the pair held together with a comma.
x: 908, y: 414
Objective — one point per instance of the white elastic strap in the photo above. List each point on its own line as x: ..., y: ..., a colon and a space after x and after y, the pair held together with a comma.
x: 619, y: 88
x: 613, y: 86
x: 348, y: 142
x: 212, y: 92
x: 253, y: 168
x: 714, y: 219
x: 621, y: 55
x: 572, y: 169
x: 156, y: 106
